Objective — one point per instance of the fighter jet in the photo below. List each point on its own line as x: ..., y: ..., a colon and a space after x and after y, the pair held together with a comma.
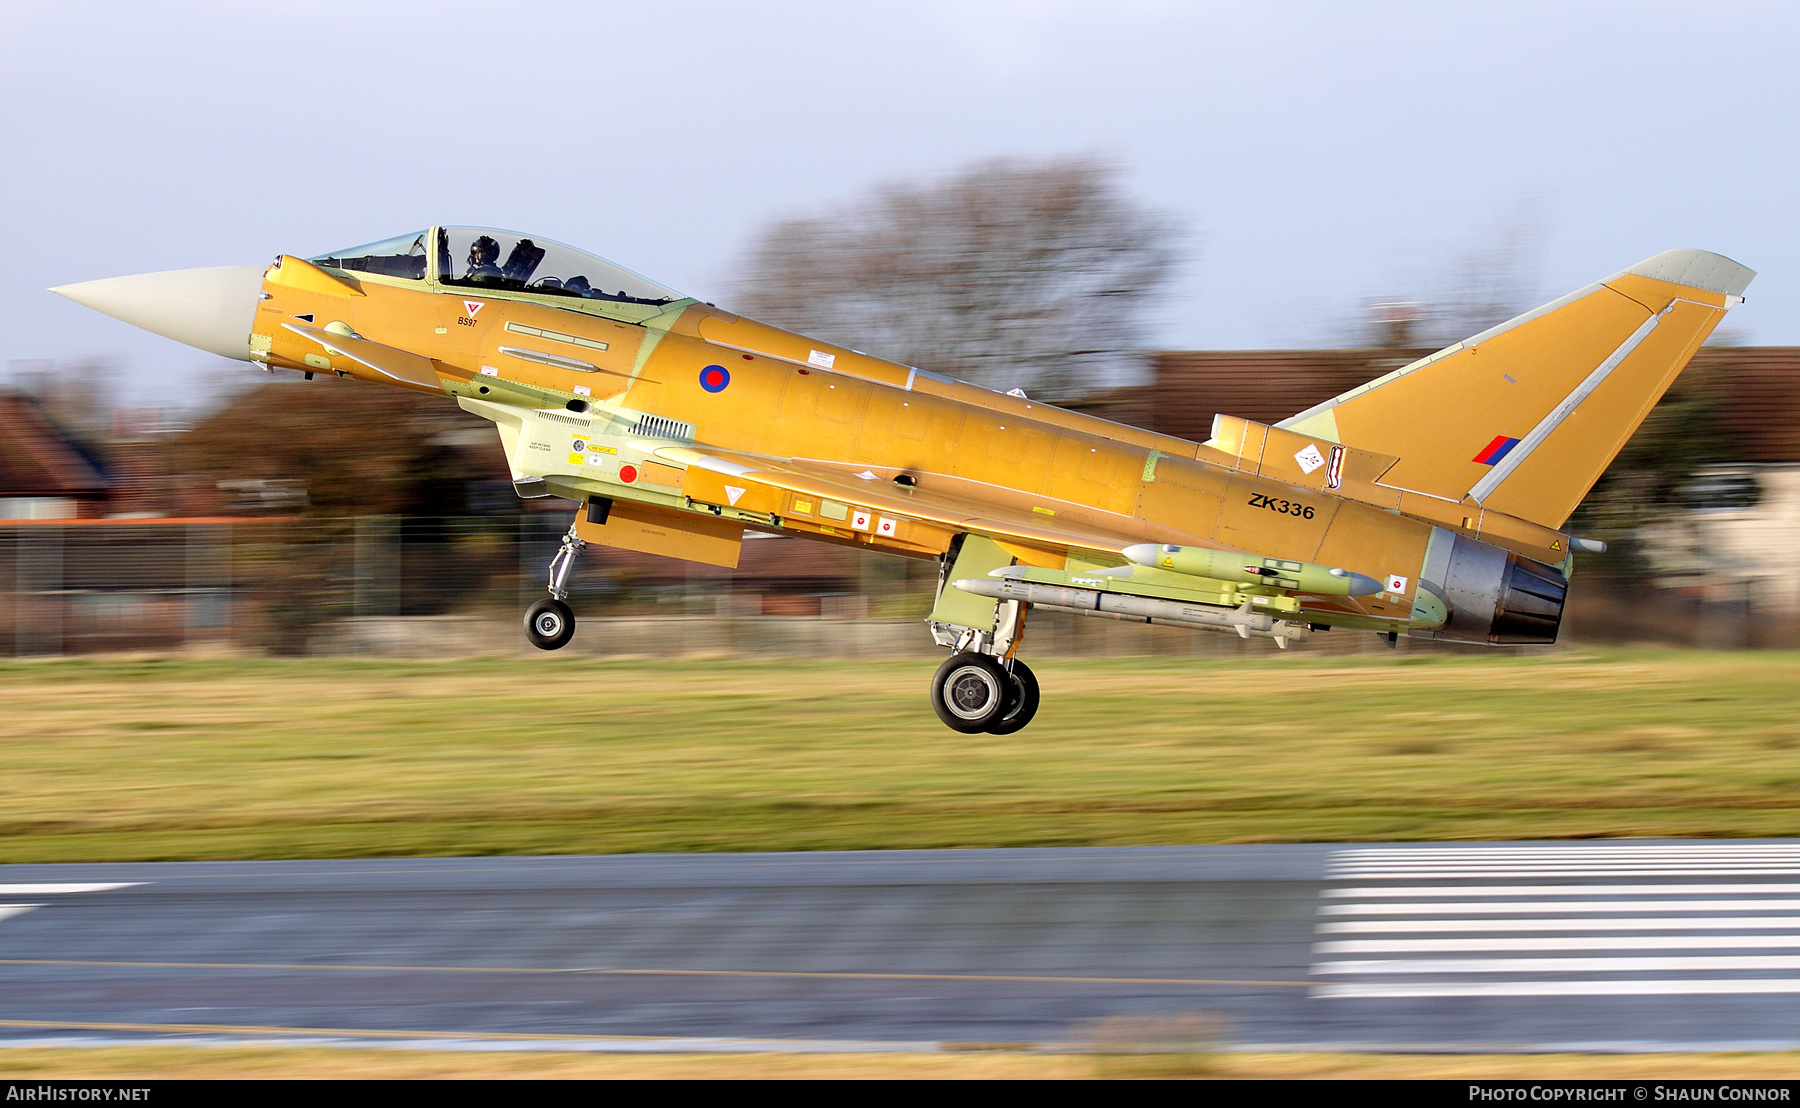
x: 1431, y: 502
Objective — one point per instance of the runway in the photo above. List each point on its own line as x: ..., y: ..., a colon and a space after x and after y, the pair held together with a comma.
x: 1503, y: 946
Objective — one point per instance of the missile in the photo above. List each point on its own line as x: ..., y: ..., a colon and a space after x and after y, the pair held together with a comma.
x: 1224, y: 565
x: 1244, y: 621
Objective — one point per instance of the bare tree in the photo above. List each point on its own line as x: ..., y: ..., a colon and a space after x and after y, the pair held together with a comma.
x: 1032, y: 274
x: 1495, y: 276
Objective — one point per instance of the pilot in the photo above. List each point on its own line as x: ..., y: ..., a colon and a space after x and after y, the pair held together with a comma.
x: 484, y: 254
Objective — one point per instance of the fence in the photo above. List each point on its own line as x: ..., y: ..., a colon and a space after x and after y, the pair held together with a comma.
x: 456, y: 586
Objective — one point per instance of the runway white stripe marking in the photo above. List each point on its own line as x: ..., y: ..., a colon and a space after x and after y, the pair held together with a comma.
x: 1586, y: 850
x: 1672, y: 964
x: 1562, y: 942
x: 1584, y: 857
x: 1673, y: 864
x: 7, y: 911
x: 1496, y: 908
x: 1525, y: 860
x: 54, y: 889
x: 1372, y: 892
x: 1613, y: 871
x: 1601, y: 923
x: 1677, y: 987
x: 1620, y: 921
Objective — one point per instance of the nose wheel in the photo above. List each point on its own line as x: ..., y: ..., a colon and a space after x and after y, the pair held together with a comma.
x: 974, y: 693
x: 550, y: 624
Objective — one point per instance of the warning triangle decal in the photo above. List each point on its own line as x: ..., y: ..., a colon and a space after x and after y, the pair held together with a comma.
x: 733, y: 493
x: 473, y: 306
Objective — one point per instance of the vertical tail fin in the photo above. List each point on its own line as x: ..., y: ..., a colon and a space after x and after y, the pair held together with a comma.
x: 1523, y: 418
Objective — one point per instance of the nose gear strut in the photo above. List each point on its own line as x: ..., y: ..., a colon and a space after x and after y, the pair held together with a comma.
x: 572, y: 545
x: 550, y: 624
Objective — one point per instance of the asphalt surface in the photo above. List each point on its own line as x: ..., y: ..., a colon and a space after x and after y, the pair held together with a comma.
x: 1651, y: 945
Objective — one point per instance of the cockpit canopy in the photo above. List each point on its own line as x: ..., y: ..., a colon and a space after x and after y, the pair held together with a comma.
x: 400, y: 256
x: 482, y: 257
x: 489, y: 258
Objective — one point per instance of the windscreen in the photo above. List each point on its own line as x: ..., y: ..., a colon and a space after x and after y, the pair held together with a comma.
x: 483, y: 257
x: 400, y: 256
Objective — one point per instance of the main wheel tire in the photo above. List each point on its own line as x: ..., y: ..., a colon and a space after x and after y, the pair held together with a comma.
x: 970, y: 692
x: 1020, y: 707
x: 549, y: 624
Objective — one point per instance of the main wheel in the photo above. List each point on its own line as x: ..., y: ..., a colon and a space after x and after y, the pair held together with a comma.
x: 1022, y: 705
x: 549, y: 624
x: 970, y: 692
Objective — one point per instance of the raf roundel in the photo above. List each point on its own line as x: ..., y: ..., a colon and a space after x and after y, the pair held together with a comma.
x: 714, y: 378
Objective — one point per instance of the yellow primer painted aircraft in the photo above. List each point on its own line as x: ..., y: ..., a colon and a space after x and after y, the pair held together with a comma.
x: 1430, y: 502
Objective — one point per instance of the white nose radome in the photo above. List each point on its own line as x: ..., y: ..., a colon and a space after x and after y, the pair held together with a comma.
x: 212, y: 308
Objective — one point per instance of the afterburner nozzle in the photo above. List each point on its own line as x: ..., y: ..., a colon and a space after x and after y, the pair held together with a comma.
x: 212, y: 309
x: 1226, y: 565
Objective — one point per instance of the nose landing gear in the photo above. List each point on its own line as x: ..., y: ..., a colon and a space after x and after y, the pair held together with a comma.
x: 550, y: 624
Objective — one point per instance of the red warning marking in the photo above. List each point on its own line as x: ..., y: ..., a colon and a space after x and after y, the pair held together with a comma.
x: 628, y: 473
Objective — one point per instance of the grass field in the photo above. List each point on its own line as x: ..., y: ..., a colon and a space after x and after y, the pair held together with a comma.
x: 127, y: 759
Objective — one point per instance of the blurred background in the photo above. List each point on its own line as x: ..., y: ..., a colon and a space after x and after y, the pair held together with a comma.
x: 1155, y: 212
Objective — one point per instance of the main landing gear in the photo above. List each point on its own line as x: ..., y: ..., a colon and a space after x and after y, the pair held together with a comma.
x: 974, y: 692
x: 984, y: 687
x: 550, y: 624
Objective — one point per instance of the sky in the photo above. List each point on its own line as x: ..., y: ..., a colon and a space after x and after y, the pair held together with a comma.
x: 1320, y: 155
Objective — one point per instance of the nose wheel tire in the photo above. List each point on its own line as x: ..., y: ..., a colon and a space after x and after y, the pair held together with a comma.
x: 970, y: 692
x: 1022, y: 705
x: 549, y: 624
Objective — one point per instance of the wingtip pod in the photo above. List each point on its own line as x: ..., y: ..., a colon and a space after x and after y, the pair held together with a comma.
x: 1697, y: 269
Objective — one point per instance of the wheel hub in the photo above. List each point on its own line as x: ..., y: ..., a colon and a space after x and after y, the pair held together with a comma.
x: 971, y: 691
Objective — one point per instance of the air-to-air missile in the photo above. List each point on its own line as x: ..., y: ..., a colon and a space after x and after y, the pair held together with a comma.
x: 1189, y: 586
x: 1228, y: 565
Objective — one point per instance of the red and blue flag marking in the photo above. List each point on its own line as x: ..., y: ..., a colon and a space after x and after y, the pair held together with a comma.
x: 1494, y: 451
